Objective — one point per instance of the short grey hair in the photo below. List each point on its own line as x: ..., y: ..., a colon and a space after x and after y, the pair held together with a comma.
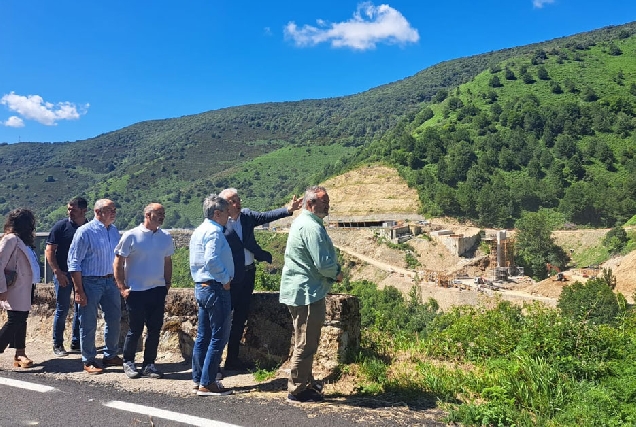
x: 228, y: 193
x: 151, y: 207
x: 214, y: 203
x: 311, y: 194
x: 102, y: 203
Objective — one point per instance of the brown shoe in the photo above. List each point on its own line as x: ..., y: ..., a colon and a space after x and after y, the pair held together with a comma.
x: 22, y: 362
x: 91, y: 368
x: 113, y: 361
x: 214, y: 389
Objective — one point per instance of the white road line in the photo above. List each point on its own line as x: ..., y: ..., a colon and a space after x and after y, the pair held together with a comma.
x: 29, y: 386
x: 168, y: 415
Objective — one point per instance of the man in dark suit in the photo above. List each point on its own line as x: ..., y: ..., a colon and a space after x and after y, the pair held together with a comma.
x: 245, y: 251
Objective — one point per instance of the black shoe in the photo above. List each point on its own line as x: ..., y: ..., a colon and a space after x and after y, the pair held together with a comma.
x: 317, y: 386
x: 308, y: 395
x: 59, y: 351
x: 75, y: 346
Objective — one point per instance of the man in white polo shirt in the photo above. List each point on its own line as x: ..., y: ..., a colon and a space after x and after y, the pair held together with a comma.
x: 143, y: 272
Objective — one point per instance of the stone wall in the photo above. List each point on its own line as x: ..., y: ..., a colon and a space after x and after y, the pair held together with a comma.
x: 268, y: 337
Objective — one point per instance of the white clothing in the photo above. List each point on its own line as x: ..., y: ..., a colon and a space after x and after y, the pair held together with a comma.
x: 145, y: 252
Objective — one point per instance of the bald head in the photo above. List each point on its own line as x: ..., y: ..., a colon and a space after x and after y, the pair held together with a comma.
x: 154, y: 214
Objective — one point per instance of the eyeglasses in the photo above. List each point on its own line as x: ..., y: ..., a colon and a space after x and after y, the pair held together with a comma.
x: 109, y: 210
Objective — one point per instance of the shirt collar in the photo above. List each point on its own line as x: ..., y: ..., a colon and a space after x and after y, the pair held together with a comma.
x: 314, y: 217
x: 214, y: 223
x: 143, y: 228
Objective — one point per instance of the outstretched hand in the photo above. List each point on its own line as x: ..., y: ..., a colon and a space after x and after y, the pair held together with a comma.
x: 295, y: 204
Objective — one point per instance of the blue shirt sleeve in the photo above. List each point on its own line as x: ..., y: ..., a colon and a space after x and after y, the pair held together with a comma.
x: 77, y: 251
x: 215, y: 265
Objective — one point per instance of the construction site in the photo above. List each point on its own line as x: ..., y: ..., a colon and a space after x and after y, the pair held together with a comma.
x: 374, y: 220
x: 456, y: 264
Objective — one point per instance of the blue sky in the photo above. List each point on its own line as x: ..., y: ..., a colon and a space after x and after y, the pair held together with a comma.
x: 72, y: 70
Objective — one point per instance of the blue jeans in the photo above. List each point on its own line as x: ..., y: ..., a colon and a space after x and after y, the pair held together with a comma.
x: 213, y: 331
x: 62, y: 305
x: 144, y: 307
x: 100, y: 291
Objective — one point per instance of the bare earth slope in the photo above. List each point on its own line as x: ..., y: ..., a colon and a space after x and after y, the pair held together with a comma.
x: 369, y: 191
x: 378, y: 192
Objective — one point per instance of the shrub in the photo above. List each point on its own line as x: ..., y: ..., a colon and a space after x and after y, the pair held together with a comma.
x: 615, y: 240
x: 387, y: 310
x: 592, y: 302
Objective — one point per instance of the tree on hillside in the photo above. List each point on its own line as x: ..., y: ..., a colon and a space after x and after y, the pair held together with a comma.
x: 615, y: 240
x: 555, y: 87
x: 495, y: 82
x: 534, y: 245
x: 592, y: 302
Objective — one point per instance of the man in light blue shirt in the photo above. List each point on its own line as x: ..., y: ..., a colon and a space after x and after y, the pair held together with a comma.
x: 311, y: 267
x: 212, y: 269
x: 90, y: 262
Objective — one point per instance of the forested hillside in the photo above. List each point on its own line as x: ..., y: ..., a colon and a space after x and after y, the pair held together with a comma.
x: 552, y: 128
x: 271, y: 150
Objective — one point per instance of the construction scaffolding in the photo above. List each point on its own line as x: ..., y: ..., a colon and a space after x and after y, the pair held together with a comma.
x: 502, y: 256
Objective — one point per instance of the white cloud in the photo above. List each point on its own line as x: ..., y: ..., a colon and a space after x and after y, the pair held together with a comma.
x: 33, y: 107
x: 540, y: 3
x: 370, y: 25
x: 267, y: 31
x: 14, y: 122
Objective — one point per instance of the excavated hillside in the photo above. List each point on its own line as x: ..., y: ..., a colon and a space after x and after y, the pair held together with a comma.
x: 378, y: 192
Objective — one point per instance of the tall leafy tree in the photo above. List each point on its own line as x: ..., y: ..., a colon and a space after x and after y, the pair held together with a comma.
x: 534, y: 245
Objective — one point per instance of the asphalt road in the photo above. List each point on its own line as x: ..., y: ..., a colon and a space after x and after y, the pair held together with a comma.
x: 49, y: 402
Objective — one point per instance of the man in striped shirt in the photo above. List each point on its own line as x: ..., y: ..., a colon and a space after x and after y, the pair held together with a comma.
x: 90, y: 262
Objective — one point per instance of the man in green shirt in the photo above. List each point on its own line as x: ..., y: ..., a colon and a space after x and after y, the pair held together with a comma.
x: 311, y: 267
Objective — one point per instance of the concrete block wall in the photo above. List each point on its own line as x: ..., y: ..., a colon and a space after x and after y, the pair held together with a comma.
x: 456, y: 243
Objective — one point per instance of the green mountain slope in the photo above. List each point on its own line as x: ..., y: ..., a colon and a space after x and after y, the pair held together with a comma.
x: 548, y: 129
x: 177, y: 161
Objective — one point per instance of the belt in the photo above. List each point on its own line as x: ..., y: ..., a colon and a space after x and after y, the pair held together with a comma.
x: 250, y: 267
x: 108, y: 276
x: 209, y: 282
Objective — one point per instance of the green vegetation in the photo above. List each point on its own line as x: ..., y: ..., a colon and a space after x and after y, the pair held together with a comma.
x: 505, y: 365
x: 409, y: 253
x: 181, y: 277
x: 501, y: 365
x: 261, y: 374
x: 286, y: 171
x: 616, y: 240
x: 535, y: 247
x: 561, y: 114
x: 614, y: 243
x: 267, y: 275
x: 593, y: 301
x: 496, y: 148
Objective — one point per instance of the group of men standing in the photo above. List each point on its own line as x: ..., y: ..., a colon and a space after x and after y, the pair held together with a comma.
x: 90, y: 258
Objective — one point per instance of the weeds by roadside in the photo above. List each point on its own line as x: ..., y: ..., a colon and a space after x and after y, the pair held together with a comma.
x: 501, y: 366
